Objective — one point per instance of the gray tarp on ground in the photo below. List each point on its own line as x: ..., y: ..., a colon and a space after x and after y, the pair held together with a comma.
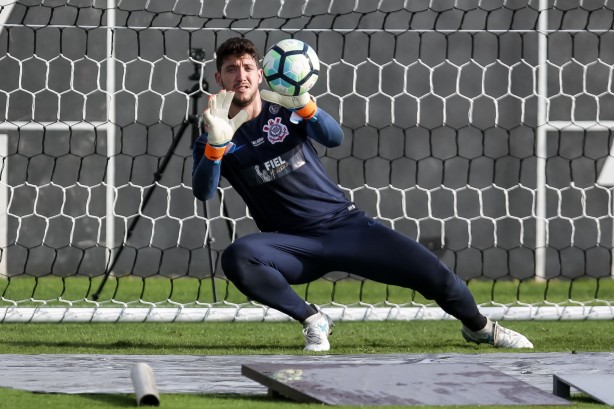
x: 60, y: 373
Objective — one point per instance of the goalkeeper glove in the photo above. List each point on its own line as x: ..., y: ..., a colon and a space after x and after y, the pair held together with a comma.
x: 302, y: 106
x: 219, y: 127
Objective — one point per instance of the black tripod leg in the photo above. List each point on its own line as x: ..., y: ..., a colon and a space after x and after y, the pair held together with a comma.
x: 195, y: 93
x: 157, y: 176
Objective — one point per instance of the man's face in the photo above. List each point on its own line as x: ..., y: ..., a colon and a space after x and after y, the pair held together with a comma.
x: 241, y: 75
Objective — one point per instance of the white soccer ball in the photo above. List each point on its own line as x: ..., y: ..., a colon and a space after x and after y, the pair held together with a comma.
x: 291, y: 67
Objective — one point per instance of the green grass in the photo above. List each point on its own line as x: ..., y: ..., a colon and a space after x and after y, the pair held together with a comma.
x: 12, y: 399
x: 250, y: 338
x: 221, y: 338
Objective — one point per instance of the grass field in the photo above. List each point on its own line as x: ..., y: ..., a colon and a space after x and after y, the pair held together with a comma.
x: 251, y: 338
x: 433, y: 337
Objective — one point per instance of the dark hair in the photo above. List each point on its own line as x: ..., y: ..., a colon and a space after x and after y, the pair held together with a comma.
x: 236, y: 46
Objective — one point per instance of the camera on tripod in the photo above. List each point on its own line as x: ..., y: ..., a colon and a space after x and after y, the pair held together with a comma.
x: 197, y: 54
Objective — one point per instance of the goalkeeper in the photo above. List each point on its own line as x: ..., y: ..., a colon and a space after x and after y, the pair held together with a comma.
x: 307, y: 226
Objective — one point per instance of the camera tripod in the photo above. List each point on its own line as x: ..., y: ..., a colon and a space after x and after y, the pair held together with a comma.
x: 197, y: 56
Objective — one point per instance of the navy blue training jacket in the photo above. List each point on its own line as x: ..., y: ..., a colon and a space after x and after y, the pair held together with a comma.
x: 276, y: 170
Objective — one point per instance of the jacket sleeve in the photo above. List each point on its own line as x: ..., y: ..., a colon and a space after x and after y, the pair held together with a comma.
x: 325, y: 129
x: 205, y: 172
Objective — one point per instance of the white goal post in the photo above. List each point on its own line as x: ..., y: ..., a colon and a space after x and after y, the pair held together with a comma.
x: 481, y: 129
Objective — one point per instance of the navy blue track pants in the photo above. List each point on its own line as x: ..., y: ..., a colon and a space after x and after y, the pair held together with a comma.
x: 263, y: 265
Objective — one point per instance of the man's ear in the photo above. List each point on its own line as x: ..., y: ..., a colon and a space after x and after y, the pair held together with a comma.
x: 218, y: 79
x: 260, y: 75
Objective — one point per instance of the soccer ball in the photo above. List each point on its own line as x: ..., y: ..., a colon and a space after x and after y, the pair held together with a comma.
x: 291, y: 67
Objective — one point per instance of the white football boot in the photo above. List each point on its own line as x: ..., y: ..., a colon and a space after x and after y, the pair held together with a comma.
x: 497, y: 336
x: 316, y: 330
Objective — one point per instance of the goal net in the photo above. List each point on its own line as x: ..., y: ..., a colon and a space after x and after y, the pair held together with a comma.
x: 482, y: 129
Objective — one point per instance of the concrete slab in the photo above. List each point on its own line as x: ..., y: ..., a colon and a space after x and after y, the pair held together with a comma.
x: 599, y: 386
x: 469, y: 384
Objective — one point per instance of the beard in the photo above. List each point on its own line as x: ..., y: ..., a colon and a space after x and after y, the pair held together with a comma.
x: 243, y: 102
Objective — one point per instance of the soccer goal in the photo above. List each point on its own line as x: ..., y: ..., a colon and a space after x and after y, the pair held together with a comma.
x: 480, y: 128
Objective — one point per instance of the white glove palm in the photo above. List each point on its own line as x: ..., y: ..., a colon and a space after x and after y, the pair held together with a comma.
x: 220, y: 128
x: 302, y: 106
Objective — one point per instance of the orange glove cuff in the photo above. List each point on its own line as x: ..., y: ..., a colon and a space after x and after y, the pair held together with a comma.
x: 214, y: 152
x: 308, y: 111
